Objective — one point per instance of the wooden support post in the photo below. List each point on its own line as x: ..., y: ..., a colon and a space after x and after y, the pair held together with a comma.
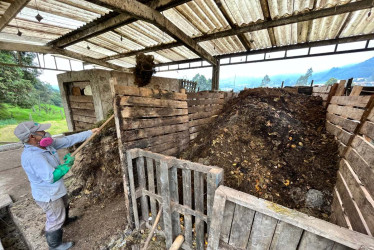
x: 311, y: 83
x: 349, y: 86
x: 165, y: 192
x: 215, y: 76
x: 213, y: 181
x: 187, y: 201
x: 332, y: 92
x: 142, y: 185
x: 215, y: 226
x: 282, y: 84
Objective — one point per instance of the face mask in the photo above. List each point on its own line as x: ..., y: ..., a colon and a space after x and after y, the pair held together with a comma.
x: 46, y: 141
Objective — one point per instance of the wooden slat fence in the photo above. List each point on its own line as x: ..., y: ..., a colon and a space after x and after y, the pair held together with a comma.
x: 350, y: 119
x: 184, y: 189
x: 204, y: 107
x: 152, y: 119
x: 242, y: 221
x: 189, y: 86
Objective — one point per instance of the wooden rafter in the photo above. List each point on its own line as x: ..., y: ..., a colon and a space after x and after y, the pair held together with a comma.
x: 145, y: 13
x: 11, y: 12
x: 49, y: 50
x: 346, y: 8
x: 241, y: 37
x: 110, y: 22
x: 266, y: 12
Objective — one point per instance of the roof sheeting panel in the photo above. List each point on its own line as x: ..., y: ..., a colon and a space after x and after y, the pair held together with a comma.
x: 144, y: 34
x: 3, y: 7
x: 258, y: 39
x: 243, y: 12
x: 121, y: 63
x: 30, y: 33
x: 93, y: 51
x: 221, y: 46
x: 36, y: 26
x: 115, y: 39
x: 360, y: 23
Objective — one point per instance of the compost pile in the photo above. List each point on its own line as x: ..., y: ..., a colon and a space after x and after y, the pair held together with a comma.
x: 273, y: 144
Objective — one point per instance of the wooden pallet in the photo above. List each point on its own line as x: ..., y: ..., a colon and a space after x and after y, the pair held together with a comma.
x: 159, y: 180
x: 242, y: 221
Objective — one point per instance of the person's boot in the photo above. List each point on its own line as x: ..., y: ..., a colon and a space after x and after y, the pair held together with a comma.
x: 68, y: 219
x: 54, y: 240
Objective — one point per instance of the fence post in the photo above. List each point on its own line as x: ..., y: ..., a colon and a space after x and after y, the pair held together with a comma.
x: 165, y: 193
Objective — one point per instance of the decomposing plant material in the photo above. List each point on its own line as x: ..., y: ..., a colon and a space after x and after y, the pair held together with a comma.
x: 272, y: 144
x: 144, y: 69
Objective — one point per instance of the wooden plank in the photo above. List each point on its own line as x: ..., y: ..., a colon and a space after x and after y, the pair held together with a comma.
x: 157, y: 140
x: 338, y: 216
x: 200, y: 102
x: 345, y: 111
x: 82, y: 105
x: 226, y: 222
x: 199, y: 206
x: 286, y: 236
x: 338, y: 246
x: 132, y: 112
x: 196, y: 109
x: 311, y: 241
x: 241, y: 226
x: 155, y: 122
x: 158, y: 183
x: 262, y: 232
x: 174, y: 197
x: 147, y: 92
x: 83, y: 125
x: 368, y: 129
x: 356, y: 91
x: 187, y: 201
x: 214, y: 179
x: 203, y: 121
x: 200, y: 115
x: 323, y: 228
x: 5, y: 200
x: 85, y: 119
x: 10, y: 13
x: 151, y: 187
x: 84, y: 112
x: 323, y: 89
x: 362, y: 169
x: 341, y: 88
x: 342, y: 149
x: 131, y: 135
x: 350, y: 206
x: 217, y: 217
x: 205, y: 95
x: 370, y: 117
x: 193, y: 136
x: 324, y: 96
x: 354, y: 101
x: 365, y: 149
x: 130, y: 169
x: 165, y: 193
x: 152, y: 102
x: 168, y: 145
x: 142, y: 185
x: 81, y: 98
x: 340, y: 133
x: 359, y: 193
x: 349, y: 125
x: 332, y: 92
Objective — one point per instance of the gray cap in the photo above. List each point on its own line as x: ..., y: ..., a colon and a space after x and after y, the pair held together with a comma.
x: 24, y: 129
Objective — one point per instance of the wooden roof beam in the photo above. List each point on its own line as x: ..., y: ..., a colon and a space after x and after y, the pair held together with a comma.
x: 266, y: 12
x: 12, y: 12
x: 341, y: 9
x: 50, y: 50
x: 108, y: 23
x: 145, y: 13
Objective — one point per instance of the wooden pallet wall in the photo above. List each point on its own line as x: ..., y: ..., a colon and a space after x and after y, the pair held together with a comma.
x: 151, y: 119
x: 350, y: 119
x: 203, y: 108
x: 243, y: 221
x: 323, y: 92
x: 82, y: 107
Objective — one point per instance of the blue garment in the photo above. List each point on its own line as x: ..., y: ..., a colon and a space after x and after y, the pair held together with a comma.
x: 39, y: 165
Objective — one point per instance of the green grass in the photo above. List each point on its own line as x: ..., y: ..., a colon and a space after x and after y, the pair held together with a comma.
x: 17, y: 115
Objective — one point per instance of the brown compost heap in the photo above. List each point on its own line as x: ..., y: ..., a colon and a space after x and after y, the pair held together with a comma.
x: 272, y: 144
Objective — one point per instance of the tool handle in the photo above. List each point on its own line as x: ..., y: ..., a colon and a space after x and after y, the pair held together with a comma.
x: 152, y: 230
x: 92, y: 136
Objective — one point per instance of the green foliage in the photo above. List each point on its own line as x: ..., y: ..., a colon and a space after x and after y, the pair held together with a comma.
x: 331, y: 81
x: 202, y: 82
x: 303, y: 80
x: 265, y: 82
x: 20, y: 86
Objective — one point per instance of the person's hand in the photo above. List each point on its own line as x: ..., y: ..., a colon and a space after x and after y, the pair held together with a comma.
x: 95, y: 130
x: 69, y: 160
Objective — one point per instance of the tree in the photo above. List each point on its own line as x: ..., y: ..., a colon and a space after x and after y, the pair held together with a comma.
x: 202, y: 82
x: 265, y: 82
x: 331, y: 81
x: 303, y: 80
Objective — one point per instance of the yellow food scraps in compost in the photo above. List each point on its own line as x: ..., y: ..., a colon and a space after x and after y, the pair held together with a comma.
x: 286, y: 182
x: 293, y: 146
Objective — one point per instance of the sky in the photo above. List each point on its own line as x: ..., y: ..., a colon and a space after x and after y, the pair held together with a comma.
x: 288, y: 66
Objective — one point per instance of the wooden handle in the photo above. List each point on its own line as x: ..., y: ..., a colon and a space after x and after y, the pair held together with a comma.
x: 177, y: 243
x: 152, y: 230
x: 92, y: 136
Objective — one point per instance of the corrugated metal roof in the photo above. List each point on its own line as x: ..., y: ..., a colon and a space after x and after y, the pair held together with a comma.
x: 195, y: 18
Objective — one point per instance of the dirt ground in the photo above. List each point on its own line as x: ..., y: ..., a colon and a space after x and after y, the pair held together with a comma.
x: 272, y: 144
x: 10, y: 236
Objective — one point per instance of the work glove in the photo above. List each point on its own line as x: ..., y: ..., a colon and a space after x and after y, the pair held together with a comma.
x: 69, y: 160
x: 60, y: 171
